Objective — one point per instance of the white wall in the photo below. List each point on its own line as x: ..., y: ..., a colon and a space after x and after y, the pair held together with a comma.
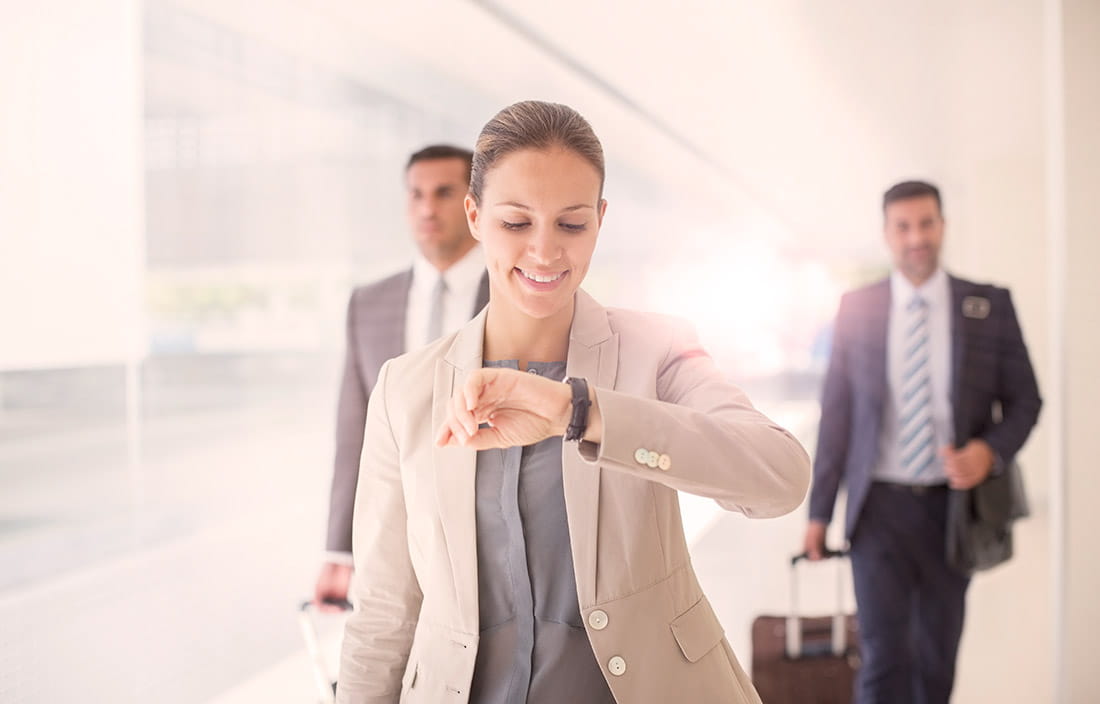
x: 1031, y: 632
x: 1081, y: 293
x: 70, y: 183
x: 987, y: 93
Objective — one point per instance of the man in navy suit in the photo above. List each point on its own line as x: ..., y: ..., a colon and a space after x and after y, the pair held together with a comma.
x: 929, y: 390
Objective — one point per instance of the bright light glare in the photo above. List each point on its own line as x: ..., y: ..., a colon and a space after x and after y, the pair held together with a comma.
x: 754, y: 307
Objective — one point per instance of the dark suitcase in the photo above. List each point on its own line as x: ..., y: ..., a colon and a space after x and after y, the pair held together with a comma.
x: 805, y: 660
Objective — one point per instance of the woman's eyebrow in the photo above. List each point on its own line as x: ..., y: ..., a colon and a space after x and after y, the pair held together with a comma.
x: 521, y: 206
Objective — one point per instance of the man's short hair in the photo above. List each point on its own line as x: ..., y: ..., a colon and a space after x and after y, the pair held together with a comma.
x: 442, y: 151
x: 911, y: 189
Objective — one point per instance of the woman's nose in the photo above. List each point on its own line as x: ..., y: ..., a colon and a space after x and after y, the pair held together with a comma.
x: 544, y: 246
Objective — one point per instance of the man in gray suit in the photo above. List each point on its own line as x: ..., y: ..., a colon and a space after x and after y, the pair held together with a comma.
x: 445, y: 287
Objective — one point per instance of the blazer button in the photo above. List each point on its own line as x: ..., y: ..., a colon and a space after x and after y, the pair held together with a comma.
x: 664, y: 463
x: 598, y: 620
x: 652, y: 460
x: 616, y: 666
x: 641, y: 455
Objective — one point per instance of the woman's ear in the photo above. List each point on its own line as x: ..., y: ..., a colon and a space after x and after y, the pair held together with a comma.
x: 601, y: 210
x: 471, y: 216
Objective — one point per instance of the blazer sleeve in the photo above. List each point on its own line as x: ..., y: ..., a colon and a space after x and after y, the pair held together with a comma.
x: 835, y: 426
x: 714, y: 442
x: 379, y: 633
x: 351, y: 414
x: 1017, y: 390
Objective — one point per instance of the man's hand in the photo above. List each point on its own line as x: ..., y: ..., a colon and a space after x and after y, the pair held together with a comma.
x: 332, y: 584
x: 519, y: 409
x: 814, y: 543
x: 967, y: 467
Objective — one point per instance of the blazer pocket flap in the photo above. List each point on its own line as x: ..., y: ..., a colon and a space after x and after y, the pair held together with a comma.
x: 697, y: 630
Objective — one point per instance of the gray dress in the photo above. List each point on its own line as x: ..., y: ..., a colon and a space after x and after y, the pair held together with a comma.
x: 533, y: 645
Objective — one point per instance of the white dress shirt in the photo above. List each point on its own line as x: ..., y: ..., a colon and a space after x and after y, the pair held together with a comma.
x: 936, y: 292
x: 463, y: 281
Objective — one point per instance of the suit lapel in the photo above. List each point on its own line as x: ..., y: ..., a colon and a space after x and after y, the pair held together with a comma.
x: 878, y: 327
x: 455, y: 470
x: 959, y: 339
x: 482, y: 294
x: 593, y: 355
x: 392, y: 342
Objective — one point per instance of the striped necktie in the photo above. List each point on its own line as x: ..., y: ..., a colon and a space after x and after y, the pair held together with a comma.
x: 435, y: 316
x: 916, y: 434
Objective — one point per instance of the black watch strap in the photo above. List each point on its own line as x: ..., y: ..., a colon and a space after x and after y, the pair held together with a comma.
x: 578, y: 421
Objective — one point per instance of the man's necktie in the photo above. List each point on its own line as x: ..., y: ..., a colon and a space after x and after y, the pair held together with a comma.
x: 435, y: 316
x: 916, y: 434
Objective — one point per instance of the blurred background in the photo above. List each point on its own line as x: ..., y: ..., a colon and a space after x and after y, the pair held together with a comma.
x: 189, y: 190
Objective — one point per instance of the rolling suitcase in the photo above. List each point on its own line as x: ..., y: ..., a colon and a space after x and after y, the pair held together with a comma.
x: 326, y: 685
x: 806, y: 660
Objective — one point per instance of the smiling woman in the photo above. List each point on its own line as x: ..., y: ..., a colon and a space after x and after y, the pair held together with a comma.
x: 536, y: 203
x: 526, y: 543
x: 539, y: 222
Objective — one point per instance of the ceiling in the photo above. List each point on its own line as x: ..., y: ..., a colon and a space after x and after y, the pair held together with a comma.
x: 788, y: 117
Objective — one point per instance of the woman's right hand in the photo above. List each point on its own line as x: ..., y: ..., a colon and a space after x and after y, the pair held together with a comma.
x: 518, y: 409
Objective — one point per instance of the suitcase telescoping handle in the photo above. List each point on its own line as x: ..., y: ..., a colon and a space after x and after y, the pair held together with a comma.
x: 326, y: 688
x: 794, y: 624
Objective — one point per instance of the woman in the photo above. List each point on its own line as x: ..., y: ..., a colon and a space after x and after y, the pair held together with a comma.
x: 501, y: 562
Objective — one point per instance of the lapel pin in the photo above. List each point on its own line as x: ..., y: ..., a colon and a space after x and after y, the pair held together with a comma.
x: 976, y: 307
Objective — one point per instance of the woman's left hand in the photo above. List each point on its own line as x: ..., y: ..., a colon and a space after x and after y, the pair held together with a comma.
x: 518, y: 408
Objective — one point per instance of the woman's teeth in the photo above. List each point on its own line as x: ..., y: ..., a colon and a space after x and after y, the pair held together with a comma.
x: 542, y: 279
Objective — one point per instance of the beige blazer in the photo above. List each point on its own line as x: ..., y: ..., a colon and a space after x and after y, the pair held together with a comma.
x: 671, y: 423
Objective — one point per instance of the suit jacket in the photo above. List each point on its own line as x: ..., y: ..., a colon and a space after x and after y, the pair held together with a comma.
x: 671, y: 422
x: 994, y: 395
x: 375, y: 333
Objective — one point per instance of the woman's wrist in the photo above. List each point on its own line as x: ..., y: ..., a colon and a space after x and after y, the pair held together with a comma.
x: 562, y: 407
x: 593, y: 426
x: 560, y: 410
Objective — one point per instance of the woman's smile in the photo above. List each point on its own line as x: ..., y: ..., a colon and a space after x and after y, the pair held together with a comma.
x: 541, y: 281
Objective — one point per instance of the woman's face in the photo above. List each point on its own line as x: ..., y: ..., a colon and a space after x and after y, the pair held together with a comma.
x: 538, y: 219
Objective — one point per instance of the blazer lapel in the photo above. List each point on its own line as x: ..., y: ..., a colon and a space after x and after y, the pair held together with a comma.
x: 391, y: 343
x: 878, y: 336
x: 593, y: 355
x: 482, y: 294
x: 455, y: 470
x: 958, y: 353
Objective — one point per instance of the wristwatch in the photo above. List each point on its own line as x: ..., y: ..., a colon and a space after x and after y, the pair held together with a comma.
x: 578, y: 421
